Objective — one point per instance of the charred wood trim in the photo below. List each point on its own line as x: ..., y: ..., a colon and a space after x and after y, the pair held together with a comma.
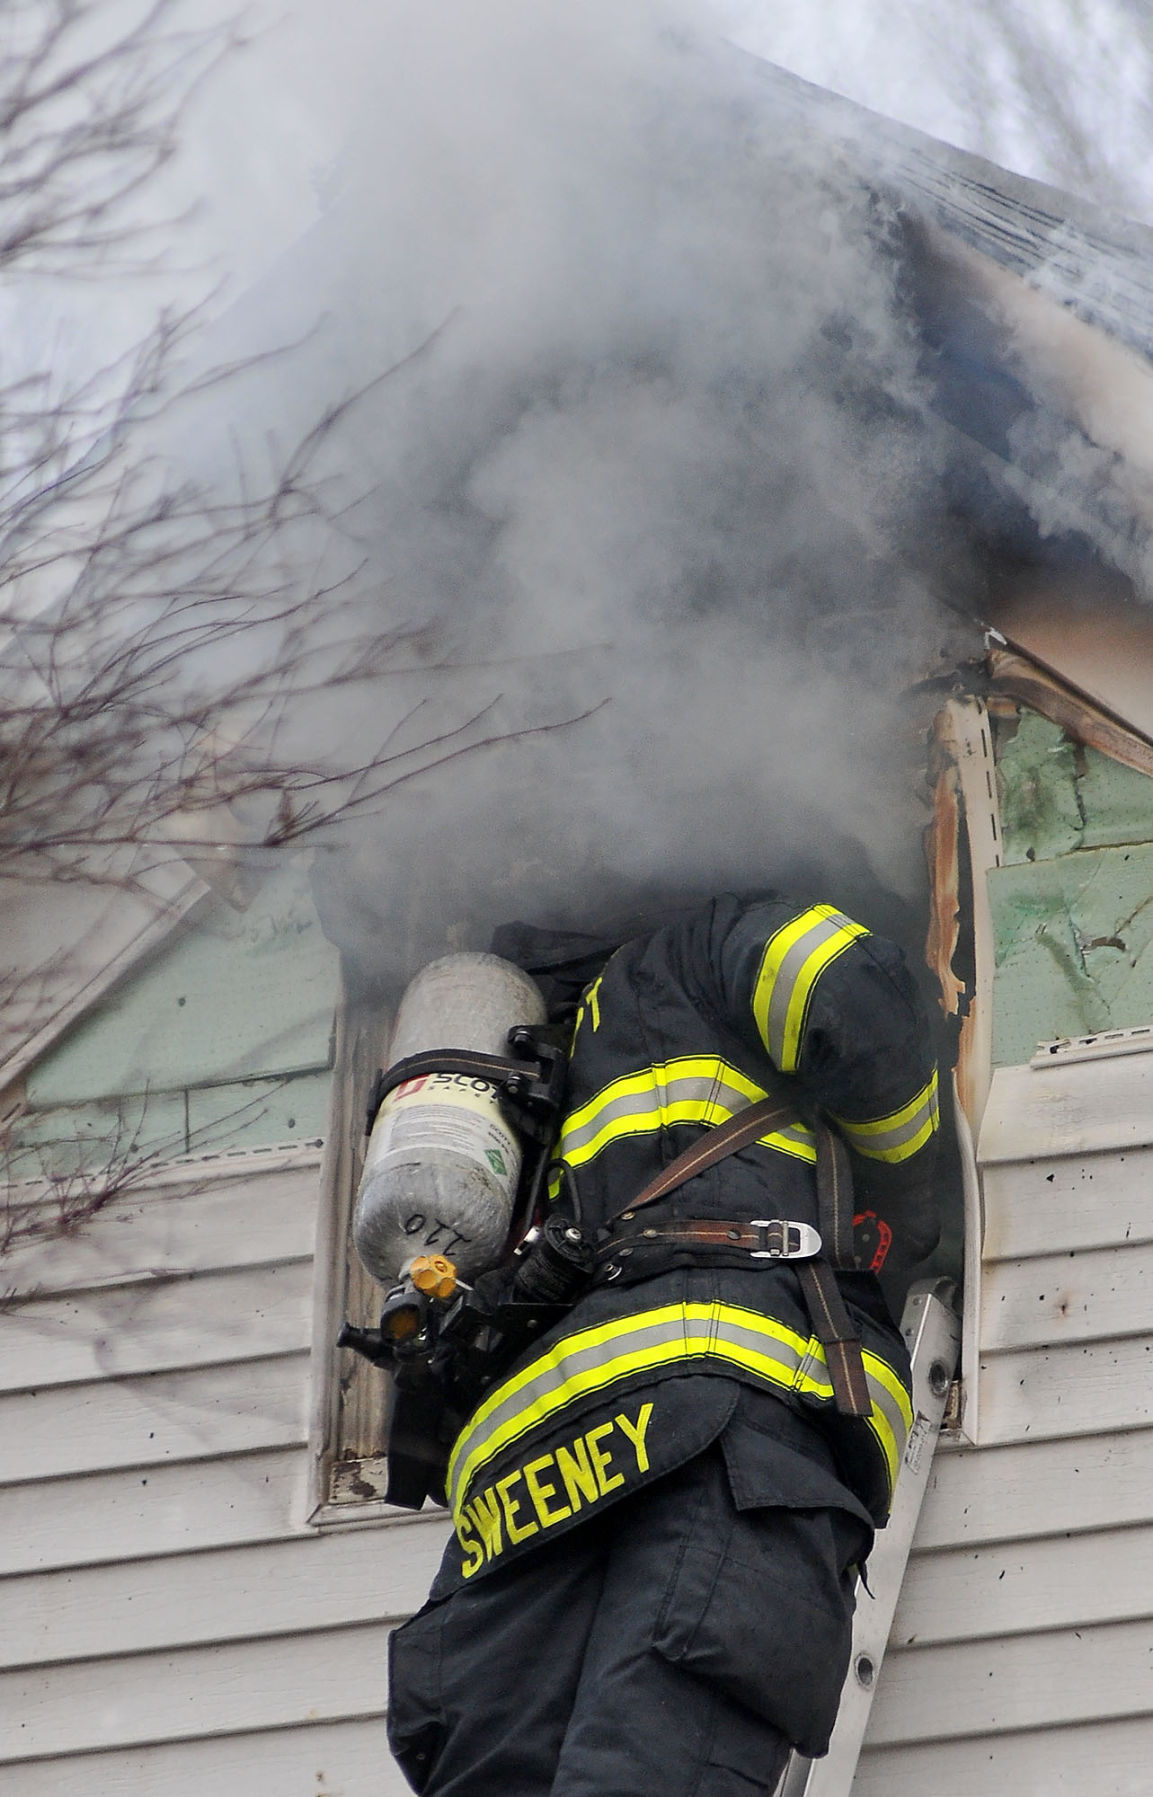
x: 1017, y: 677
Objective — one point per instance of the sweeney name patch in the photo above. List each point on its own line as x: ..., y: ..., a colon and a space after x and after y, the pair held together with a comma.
x: 553, y: 1487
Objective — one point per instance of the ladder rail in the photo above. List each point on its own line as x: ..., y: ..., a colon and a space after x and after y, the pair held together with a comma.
x: 932, y: 1332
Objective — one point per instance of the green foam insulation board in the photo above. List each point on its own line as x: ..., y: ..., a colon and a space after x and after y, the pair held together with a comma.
x: 237, y: 996
x: 1074, y: 947
x: 158, y: 1126
x: 1057, y: 796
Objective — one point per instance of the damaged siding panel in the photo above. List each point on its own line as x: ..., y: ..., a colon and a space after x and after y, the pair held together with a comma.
x: 1024, y: 1622
x: 1073, y: 905
x: 1058, y: 795
x: 1016, y: 677
x: 245, y: 994
x: 1074, y: 947
x: 135, y: 1131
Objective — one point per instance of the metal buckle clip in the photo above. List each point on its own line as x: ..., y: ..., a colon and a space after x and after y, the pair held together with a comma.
x: 782, y: 1239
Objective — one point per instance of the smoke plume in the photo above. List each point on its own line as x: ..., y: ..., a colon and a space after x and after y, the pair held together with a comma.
x: 655, y: 448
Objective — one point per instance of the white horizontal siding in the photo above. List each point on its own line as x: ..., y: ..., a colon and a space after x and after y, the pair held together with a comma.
x: 1043, y: 1488
x: 1021, y: 1655
x: 130, y: 1422
x: 158, y: 1324
x: 292, y: 1586
x: 1068, y: 1109
x: 1074, y: 1296
x: 1015, y: 1587
x: 168, y: 1620
x: 1107, y: 1759
x: 332, y: 1759
x: 1034, y: 1681
x: 1061, y: 1391
x: 205, y: 1220
x: 189, y: 1693
x: 151, y: 1510
x: 1034, y: 1207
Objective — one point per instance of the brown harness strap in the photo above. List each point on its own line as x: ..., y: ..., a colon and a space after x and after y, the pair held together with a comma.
x: 830, y: 1319
x: 835, y: 1199
x: 833, y: 1328
x: 737, y: 1132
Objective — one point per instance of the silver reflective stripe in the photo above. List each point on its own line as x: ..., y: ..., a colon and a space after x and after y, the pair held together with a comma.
x: 796, y: 1139
x: 899, y: 1135
x: 797, y: 973
x: 597, y: 1358
x: 644, y: 1109
x: 886, y: 1402
x: 689, y: 1089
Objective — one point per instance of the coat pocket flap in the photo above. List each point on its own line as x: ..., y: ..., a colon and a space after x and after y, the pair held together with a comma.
x: 766, y: 1473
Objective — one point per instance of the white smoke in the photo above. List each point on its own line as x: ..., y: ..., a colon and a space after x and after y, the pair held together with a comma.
x: 666, y: 446
x: 659, y: 437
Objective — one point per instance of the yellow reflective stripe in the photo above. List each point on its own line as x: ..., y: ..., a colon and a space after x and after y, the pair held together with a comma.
x: 687, y: 1066
x: 793, y: 961
x: 594, y: 1003
x: 899, y: 1135
x: 882, y: 1372
x: 887, y: 1443
x: 801, y: 1143
x: 556, y: 1394
x: 648, y: 1341
x: 891, y: 1445
x: 688, y: 1089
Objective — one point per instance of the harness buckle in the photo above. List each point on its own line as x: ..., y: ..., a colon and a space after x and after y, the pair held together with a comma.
x: 782, y: 1239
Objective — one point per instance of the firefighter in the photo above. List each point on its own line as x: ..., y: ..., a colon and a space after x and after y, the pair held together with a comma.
x: 660, y: 1508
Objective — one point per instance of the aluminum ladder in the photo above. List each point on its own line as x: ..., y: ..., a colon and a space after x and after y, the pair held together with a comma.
x: 932, y: 1332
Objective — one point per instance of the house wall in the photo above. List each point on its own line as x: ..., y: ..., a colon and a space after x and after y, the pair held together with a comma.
x: 1021, y: 1655
x: 169, y: 1622
x: 222, y: 1038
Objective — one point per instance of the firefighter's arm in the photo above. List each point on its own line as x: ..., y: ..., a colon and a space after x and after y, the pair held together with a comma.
x: 836, y: 1006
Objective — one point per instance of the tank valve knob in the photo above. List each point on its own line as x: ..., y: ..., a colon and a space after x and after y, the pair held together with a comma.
x: 434, y: 1275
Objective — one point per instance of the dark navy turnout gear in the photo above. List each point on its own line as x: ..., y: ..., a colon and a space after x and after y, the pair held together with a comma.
x: 657, y: 1506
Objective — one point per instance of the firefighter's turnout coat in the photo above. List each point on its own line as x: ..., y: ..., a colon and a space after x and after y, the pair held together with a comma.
x: 683, y: 1029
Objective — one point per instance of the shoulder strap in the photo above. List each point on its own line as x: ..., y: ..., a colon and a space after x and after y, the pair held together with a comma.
x: 737, y: 1132
x: 830, y: 1319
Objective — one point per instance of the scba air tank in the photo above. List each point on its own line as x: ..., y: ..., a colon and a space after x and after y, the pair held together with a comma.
x: 441, y: 1171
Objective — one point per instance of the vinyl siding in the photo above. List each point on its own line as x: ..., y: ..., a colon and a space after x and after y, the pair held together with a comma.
x: 168, y: 1618
x: 1021, y: 1655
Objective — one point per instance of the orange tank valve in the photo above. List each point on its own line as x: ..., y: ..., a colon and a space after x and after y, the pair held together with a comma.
x: 434, y: 1275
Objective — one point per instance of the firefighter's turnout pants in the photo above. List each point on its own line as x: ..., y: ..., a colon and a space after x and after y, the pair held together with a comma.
x: 670, y: 1646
